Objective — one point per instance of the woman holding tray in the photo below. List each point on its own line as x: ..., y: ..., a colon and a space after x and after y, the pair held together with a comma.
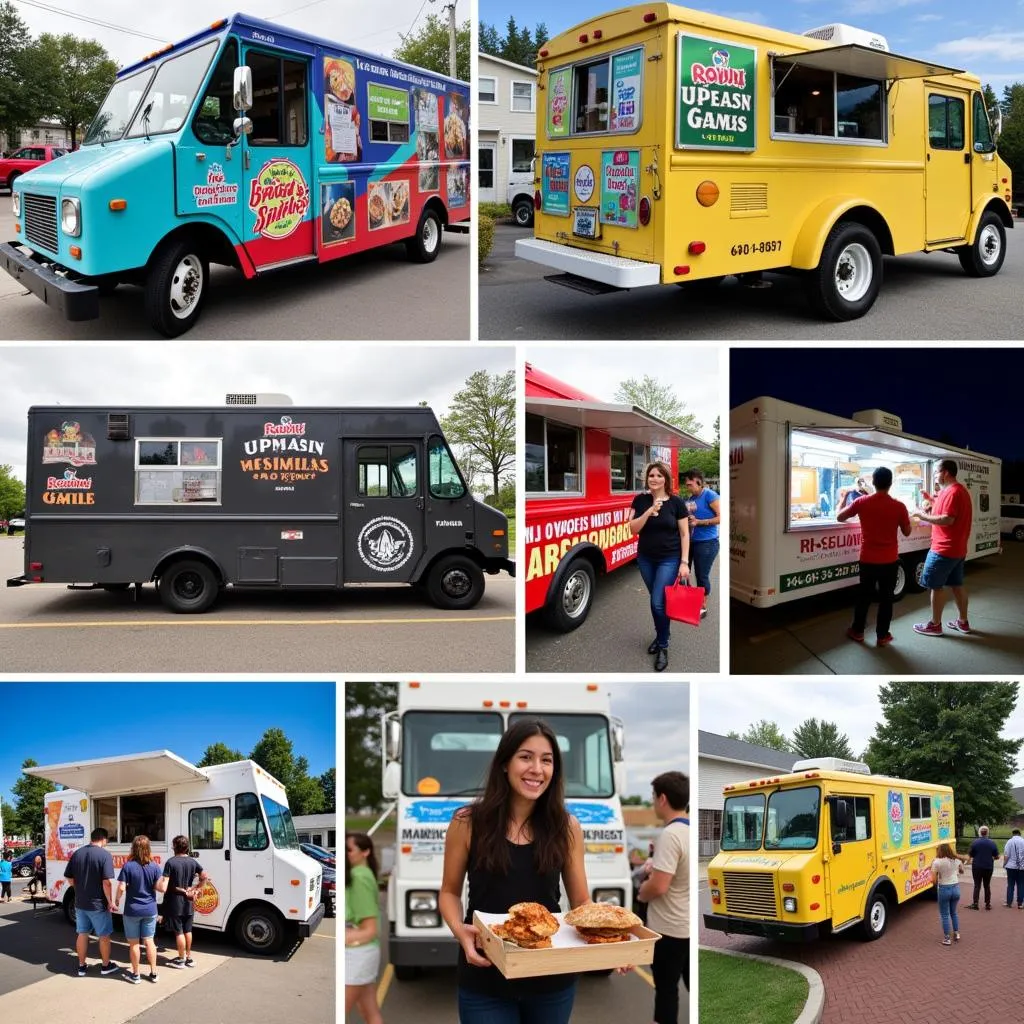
x: 515, y: 842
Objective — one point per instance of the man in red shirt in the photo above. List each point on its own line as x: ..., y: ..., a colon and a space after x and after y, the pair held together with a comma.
x: 880, y: 517
x: 950, y: 520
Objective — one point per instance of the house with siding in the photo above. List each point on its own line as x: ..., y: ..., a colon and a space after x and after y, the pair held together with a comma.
x: 506, y: 115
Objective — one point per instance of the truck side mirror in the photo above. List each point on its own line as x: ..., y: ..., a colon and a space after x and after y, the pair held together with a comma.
x: 618, y: 742
x: 242, y: 126
x: 391, y: 783
x: 242, y: 88
x: 392, y: 739
x: 995, y: 117
x: 842, y: 817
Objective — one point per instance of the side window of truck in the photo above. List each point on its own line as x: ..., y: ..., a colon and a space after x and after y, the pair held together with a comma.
x: 387, y: 471
x: 982, y: 129
x: 860, y: 826
x: 552, y: 456
x: 808, y: 100
x: 445, y: 481
x: 945, y: 122
x: 173, y: 471
x: 279, y: 109
x: 590, y: 96
x: 215, y: 116
x: 250, y: 832
x: 206, y: 828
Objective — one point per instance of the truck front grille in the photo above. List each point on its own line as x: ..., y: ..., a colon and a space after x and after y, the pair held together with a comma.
x: 750, y: 893
x: 40, y: 215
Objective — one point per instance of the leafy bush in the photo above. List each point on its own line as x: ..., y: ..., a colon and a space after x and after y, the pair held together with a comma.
x: 496, y: 211
x: 485, y: 227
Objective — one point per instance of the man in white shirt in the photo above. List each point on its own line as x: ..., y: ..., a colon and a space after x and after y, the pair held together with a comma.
x: 667, y: 894
x: 1013, y: 861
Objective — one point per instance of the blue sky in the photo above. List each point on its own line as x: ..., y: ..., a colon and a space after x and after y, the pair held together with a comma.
x: 59, y: 722
x: 990, y: 43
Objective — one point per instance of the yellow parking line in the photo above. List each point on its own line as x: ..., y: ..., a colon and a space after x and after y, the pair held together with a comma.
x: 385, y: 984
x: 643, y: 974
x: 178, y: 622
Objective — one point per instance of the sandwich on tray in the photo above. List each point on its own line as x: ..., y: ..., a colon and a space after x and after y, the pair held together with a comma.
x: 529, y: 926
x: 602, y: 922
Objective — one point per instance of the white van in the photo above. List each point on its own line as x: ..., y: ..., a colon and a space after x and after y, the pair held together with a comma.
x: 1011, y: 521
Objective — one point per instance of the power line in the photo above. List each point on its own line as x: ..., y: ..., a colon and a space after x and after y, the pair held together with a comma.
x: 90, y: 21
x: 414, y: 20
x: 301, y: 7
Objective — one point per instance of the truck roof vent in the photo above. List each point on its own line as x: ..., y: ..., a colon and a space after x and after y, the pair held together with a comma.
x: 257, y: 399
x: 119, y: 426
x: 844, y: 35
x: 832, y: 764
x: 879, y: 418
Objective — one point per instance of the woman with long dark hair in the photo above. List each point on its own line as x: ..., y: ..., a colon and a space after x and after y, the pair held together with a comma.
x: 515, y: 842
x: 362, y: 927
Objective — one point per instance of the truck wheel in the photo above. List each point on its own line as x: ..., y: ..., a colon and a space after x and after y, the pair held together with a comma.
x: 1018, y: 533
x: 424, y: 246
x: 15, y: 175
x: 568, y: 607
x: 69, y: 908
x: 876, y: 917
x: 455, y: 582
x: 522, y: 213
x: 985, y: 256
x: 25, y: 871
x: 175, y: 287
x: 845, y: 284
x: 188, y: 586
x: 259, y: 930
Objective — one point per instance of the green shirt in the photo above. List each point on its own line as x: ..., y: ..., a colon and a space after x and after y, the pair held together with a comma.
x: 362, y: 899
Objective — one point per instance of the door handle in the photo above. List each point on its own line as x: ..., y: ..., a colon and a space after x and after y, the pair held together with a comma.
x: 248, y: 159
x: 356, y: 504
x: 967, y: 158
x: 836, y: 848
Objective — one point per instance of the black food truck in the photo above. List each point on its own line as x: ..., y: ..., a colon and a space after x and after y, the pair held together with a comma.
x: 253, y: 495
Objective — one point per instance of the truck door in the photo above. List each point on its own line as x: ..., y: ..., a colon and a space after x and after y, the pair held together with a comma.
x: 277, y: 159
x: 947, y: 166
x: 208, y: 827
x: 851, y: 862
x: 382, y: 508
x: 449, y: 521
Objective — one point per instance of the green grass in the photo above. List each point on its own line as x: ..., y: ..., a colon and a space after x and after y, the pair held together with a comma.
x: 747, y: 991
x: 512, y: 534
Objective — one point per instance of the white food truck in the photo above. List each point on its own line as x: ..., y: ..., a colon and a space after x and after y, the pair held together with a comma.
x: 436, y: 750
x: 262, y: 887
x: 790, y: 468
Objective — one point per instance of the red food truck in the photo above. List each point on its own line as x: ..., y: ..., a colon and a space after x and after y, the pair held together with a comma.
x: 585, y: 463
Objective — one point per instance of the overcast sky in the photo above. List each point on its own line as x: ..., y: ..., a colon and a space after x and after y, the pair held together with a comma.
x: 852, y: 704
x: 376, y: 27
x: 201, y: 373
x: 656, y: 719
x: 693, y: 373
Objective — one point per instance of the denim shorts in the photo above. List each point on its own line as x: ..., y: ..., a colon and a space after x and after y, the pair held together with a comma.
x: 139, y: 927
x: 97, y: 921
x: 940, y: 571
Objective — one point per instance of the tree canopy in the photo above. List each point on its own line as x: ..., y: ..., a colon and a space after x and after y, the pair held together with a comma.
x: 659, y: 400
x: 517, y: 45
x: 364, y: 705
x: 429, y: 48
x: 29, y: 792
x: 707, y: 460
x: 812, y: 738
x: 12, y: 491
x: 763, y: 734
x: 274, y: 754
x: 219, y: 753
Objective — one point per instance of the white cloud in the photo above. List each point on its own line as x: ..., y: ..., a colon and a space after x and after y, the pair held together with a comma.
x: 656, y: 720
x: 1001, y: 46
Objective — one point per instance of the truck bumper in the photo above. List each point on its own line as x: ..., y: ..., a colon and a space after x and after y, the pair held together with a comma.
x: 406, y: 951
x: 766, y: 929
x: 76, y: 301
x: 306, y: 928
x: 18, y: 581
x: 616, y: 271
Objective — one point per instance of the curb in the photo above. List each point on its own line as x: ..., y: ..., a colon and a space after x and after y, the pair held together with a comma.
x: 815, y: 1005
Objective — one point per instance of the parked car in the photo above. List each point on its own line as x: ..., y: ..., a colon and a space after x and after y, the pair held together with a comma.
x: 23, y: 866
x: 1011, y: 520
x: 15, y: 524
x: 318, y: 853
x: 519, y: 197
x: 328, y: 890
x: 24, y: 159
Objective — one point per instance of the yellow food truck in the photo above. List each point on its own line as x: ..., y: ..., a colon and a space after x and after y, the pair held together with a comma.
x: 824, y: 848
x: 677, y: 147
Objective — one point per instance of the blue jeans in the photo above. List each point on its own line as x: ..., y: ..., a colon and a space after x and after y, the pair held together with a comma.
x: 657, y: 575
x: 1015, y: 876
x: 552, y: 1008
x: 949, y: 897
x: 703, y: 554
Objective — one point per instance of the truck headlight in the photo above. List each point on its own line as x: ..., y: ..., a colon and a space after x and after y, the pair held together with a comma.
x: 425, y: 920
x: 421, y: 909
x: 422, y: 900
x: 71, y: 217
x: 616, y: 897
x: 789, y: 904
x: 16, y: 203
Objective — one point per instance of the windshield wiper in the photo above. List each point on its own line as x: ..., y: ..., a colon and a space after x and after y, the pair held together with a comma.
x: 145, y: 115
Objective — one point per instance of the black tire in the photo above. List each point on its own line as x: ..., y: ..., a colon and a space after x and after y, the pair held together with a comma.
x: 455, y: 582
x: 15, y: 175
x: 911, y: 567
x: 424, y: 246
x: 568, y: 607
x: 407, y: 973
x: 259, y: 930
x: 876, y: 917
x: 188, y: 586
x: 25, y: 872
x: 845, y: 284
x: 522, y: 213
x: 985, y: 255
x: 69, y: 908
x: 1018, y: 533
x: 176, y: 286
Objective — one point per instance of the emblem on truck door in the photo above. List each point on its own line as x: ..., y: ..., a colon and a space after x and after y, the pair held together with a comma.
x: 385, y: 543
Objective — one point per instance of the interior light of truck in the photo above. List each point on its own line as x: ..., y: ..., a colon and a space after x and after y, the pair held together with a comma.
x: 71, y: 217
x: 118, y: 204
x: 707, y: 193
x: 76, y: 252
x: 680, y: 271
x: 644, y: 211
x: 696, y: 248
x: 789, y: 904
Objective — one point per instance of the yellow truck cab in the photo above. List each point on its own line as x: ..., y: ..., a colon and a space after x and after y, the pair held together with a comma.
x: 675, y: 146
x: 825, y: 848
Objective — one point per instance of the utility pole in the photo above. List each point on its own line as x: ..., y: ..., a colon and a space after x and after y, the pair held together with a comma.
x: 452, y: 59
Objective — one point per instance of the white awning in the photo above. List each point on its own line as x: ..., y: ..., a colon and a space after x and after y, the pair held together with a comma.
x: 132, y: 772
x: 628, y: 422
x: 866, y: 62
x: 877, y: 437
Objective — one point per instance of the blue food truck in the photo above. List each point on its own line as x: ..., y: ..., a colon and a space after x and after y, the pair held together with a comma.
x: 249, y: 145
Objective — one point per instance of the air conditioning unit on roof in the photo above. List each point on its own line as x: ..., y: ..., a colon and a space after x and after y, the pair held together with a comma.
x: 250, y: 398
x: 831, y: 764
x: 844, y: 35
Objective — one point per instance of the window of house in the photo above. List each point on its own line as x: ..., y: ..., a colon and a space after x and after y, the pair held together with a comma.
x: 522, y: 151
x: 522, y: 96
x: 860, y: 823
x: 826, y: 104
x: 553, y: 456
x: 386, y: 471
x: 487, y: 90
x: 177, y: 471
x: 945, y: 122
x: 485, y: 165
x: 279, y: 104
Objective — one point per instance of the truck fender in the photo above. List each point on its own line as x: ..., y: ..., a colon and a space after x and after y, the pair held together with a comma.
x: 998, y: 207
x: 591, y: 552
x: 173, y: 554
x: 810, y: 240
x: 218, y: 243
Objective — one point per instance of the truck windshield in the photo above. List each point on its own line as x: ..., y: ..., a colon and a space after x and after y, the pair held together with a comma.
x: 793, y: 819
x: 447, y: 753
x: 586, y: 753
x: 743, y: 822
x: 112, y: 119
x: 282, y: 829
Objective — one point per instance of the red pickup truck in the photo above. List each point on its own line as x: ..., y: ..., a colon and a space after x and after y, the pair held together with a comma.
x: 24, y: 159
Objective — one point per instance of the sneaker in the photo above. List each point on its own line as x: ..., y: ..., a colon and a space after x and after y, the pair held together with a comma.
x: 178, y: 962
x: 189, y: 962
x: 959, y: 625
x: 110, y: 968
x: 854, y: 635
x: 947, y: 941
x: 956, y: 936
x: 928, y: 628
x: 152, y: 978
x: 973, y: 906
x: 82, y: 968
x: 133, y: 978
x: 884, y: 641
x: 703, y: 613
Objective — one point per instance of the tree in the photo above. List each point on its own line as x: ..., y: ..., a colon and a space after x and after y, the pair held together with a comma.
x: 21, y: 96
x: 219, y: 753
x: 812, y: 738
x: 517, y: 45
x: 7, y: 813
x: 949, y: 733
x: 763, y: 734
x: 329, y: 785
x: 29, y: 792
x: 506, y: 497
x: 483, y: 419
x: 1011, y: 142
x: 429, y: 48
x: 12, y: 493
x: 79, y: 72
x: 707, y: 460
x: 659, y: 400
x: 633, y: 801
x: 364, y: 705
x: 273, y: 753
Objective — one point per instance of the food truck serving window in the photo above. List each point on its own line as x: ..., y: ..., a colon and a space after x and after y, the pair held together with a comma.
x: 445, y: 481
x: 250, y: 832
x: 792, y: 819
x: 552, y: 457
x: 169, y: 99
x: 388, y: 113
x: 743, y: 822
x: 135, y: 814
x: 387, y: 471
x: 176, y: 471
x: 628, y: 462
x: 597, y: 96
x: 826, y: 104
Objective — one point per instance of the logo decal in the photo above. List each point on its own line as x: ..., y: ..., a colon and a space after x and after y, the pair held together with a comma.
x: 385, y: 543
x: 279, y: 196
x: 895, y: 817
x: 217, y: 191
x: 71, y: 445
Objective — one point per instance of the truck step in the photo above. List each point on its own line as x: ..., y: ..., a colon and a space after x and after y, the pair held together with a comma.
x: 583, y: 284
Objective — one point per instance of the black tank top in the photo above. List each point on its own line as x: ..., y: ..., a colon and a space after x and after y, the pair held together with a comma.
x: 494, y: 893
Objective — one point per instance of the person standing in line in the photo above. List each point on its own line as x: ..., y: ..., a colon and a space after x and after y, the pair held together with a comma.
x: 946, y: 870
x: 704, y: 507
x: 91, y: 870
x: 950, y: 520
x: 667, y: 894
x: 660, y: 520
x: 362, y: 927
x: 1013, y: 861
x: 982, y: 857
x: 181, y: 872
x: 6, y: 876
x: 881, y: 516
x: 142, y: 879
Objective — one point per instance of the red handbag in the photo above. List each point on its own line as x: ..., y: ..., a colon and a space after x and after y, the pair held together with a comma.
x: 683, y: 603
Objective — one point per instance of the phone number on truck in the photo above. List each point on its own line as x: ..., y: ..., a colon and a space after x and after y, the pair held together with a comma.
x: 812, y: 577
x: 746, y: 248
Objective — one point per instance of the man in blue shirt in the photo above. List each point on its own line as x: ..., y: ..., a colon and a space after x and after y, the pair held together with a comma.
x: 91, y: 869
x: 704, y: 508
x: 983, y: 855
x: 5, y: 876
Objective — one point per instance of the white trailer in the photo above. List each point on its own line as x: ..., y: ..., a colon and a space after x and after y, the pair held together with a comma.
x: 236, y: 817
x: 784, y: 540
x: 436, y: 750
